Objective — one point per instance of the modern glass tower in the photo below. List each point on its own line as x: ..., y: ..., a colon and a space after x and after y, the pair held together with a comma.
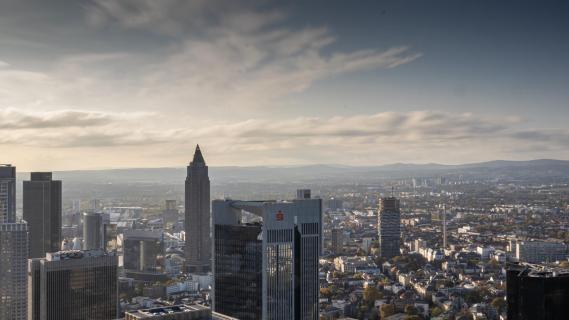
x: 7, y: 193
x: 197, y: 216
x: 42, y: 212
x: 537, y: 292
x: 266, y: 258
x: 74, y: 285
x: 92, y: 231
x: 389, y: 228
x: 13, y: 250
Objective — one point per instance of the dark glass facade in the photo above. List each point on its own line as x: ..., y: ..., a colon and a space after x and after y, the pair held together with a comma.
x: 537, y: 295
x: 74, y: 288
x: 238, y: 271
x: 389, y: 224
x: 42, y: 212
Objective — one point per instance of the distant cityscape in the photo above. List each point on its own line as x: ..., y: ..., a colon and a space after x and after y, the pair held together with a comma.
x: 454, y: 245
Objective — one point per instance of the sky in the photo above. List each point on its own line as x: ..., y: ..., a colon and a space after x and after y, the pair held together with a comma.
x: 91, y: 84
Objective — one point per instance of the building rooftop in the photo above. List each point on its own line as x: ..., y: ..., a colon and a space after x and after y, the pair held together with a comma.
x: 76, y: 254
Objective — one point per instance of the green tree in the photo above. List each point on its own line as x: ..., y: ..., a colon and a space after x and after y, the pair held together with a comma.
x: 371, y: 294
x: 499, y: 304
x: 436, y: 311
x: 386, y: 310
x: 410, y: 310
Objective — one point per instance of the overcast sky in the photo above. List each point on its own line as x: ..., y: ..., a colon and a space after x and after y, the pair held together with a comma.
x: 137, y: 83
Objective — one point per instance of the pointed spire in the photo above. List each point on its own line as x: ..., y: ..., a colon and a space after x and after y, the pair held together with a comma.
x: 198, y: 157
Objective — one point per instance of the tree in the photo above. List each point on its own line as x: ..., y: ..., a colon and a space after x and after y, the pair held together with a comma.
x: 386, y: 310
x: 436, y: 311
x: 325, y: 292
x: 371, y: 294
x: 410, y: 310
x: 499, y: 304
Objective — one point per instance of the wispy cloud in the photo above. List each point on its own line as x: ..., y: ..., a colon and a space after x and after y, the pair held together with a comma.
x: 11, y: 118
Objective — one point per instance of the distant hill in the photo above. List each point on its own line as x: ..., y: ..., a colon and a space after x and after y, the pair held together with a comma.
x: 338, y: 173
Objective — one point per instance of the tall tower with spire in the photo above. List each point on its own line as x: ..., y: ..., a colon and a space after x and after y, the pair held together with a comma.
x: 198, y: 216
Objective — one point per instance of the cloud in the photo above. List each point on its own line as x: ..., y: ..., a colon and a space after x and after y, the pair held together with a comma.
x: 419, y: 129
x: 11, y: 118
x: 234, y: 56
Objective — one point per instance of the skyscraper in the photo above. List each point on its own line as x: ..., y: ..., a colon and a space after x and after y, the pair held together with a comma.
x: 13, y: 250
x: 337, y: 237
x: 141, y: 249
x: 7, y: 193
x: 42, y: 212
x: 73, y: 285
x: 388, y: 226
x: 198, y: 216
x: 92, y: 226
x: 13, y: 258
x: 267, y: 268
x: 537, y: 293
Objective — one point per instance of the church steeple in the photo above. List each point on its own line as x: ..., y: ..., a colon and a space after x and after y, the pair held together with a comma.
x: 198, y: 157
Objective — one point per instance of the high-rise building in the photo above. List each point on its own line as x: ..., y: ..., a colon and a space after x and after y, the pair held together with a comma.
x: 267, y: 267
x: 141, y: 249
x: 7, y: 193
x: 13, y: 259
x: 13, y: 250
x: 73, y: 285
x: 170, y: 214
x: 197, y: 216
x: 388, y: 226
x: 92, y: 231
x: 42, y: 212
x: 337, y: 236
x: 537, y: 293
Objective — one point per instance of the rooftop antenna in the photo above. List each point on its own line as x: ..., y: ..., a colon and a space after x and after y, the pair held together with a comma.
x: 392, y: 191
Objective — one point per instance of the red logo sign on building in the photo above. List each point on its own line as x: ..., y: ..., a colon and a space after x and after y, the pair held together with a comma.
x: 280, y: 216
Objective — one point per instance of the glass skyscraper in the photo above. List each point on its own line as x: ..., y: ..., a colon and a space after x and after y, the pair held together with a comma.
x: 266, y: 258
x: 13, y: 250
x: 537, y: 292
x: 389, y: 228
x: 42, y: 212
x: 74, y: 285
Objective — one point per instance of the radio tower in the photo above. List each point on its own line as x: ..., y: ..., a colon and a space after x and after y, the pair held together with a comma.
x: 444, y: 226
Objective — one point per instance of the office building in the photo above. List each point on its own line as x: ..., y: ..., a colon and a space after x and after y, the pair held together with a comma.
x: 73, y: 285
x: 337, y: 241
x: 334, y: 204
x: 388, y: 226
x: 178, y: 312
x: 267, y: 267
x: 42, y: 212
x: 538, y: 251
x: 13, y: 250
x: 13, y: 259
x: 141, y: 249
x: 170, y: 214
x: 537, y: 292
x: 7, y: 193
x: 92, y: 231
x: 197, y: 215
